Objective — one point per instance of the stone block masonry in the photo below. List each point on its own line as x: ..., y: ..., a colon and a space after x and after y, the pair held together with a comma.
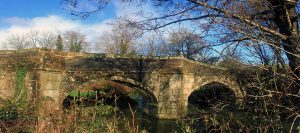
x: 167, y: 82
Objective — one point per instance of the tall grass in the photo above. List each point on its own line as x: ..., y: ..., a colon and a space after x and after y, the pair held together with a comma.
x: 78, y: 118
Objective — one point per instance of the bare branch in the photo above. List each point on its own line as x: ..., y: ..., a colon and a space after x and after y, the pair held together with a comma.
x: 243, y: 19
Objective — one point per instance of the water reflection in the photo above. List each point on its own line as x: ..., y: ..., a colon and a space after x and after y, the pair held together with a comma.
x: 151, y: 124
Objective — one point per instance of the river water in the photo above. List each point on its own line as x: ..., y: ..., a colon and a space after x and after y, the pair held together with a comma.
x: 151, y: 124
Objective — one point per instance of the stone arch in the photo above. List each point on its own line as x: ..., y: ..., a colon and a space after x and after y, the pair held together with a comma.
x: 129, y: 83
x: 136, y: 86
x: 238, y: 91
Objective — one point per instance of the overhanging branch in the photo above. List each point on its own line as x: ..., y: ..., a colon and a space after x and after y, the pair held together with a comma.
x: 241, y: 18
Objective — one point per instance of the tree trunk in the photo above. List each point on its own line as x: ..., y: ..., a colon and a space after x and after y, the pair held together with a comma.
x: 286, y: 19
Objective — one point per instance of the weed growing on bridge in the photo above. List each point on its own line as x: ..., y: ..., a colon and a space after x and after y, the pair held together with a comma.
x: 16, y: 113
x: 20, y: 90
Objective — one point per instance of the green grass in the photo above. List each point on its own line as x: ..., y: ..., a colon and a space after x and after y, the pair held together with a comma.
x: 74, y: 93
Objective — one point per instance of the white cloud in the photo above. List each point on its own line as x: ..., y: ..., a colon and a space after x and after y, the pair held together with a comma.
x: 52, y: 23
x: 16, y: 21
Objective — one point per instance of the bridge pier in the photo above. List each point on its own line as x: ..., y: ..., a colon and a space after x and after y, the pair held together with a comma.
x: 175, y: 110
x: 50, y: 86
x: 167, y: 112
x: 49, y: 98
x: 172, y: 93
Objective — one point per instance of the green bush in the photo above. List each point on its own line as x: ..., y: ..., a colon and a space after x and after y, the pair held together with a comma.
x: 8, y: 113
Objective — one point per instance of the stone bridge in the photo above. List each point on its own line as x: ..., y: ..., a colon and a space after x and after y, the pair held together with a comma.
x: 166, y: 82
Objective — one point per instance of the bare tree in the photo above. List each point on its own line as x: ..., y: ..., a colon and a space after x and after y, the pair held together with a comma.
x: 120, y: 40
x: 262, y: 54
x: 231, y: 58
x: 33, y: 38
x: 39, y: 39
x: 152, y: 45
x: 16, y: 41
x: 75, y: 41
x: 190, y: 44
x: 47, y: 40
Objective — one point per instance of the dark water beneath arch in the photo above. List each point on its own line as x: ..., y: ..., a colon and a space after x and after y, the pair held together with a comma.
x: 151, y: 124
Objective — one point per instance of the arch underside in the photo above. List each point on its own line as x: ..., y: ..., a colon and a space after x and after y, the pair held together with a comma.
x: 239, y: 93
x: 125, y: 84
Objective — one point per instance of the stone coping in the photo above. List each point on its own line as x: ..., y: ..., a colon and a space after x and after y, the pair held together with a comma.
x: 79, y: 55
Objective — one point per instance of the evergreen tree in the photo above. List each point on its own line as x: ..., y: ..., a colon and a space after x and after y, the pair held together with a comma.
x: 59, y: 43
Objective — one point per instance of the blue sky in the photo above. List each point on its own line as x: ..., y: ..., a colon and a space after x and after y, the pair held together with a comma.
x: 38, y: 8
x: 22, y: 16
x: 29, y: 8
